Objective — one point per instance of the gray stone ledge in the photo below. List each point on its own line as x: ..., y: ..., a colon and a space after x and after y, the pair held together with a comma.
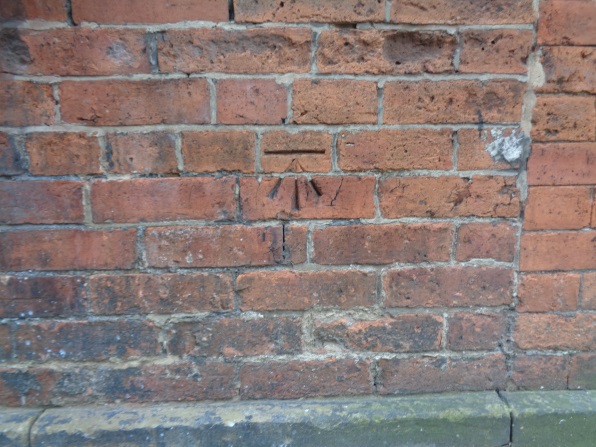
x: 15, y: 425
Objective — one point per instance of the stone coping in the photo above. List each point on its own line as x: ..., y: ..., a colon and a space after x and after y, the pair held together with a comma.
x: 486, y: 419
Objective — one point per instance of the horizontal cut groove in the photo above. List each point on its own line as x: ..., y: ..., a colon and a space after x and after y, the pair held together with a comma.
x: 294, y: 152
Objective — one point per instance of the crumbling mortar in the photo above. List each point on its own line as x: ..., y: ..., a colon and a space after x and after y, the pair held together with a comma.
x: 213, y: 100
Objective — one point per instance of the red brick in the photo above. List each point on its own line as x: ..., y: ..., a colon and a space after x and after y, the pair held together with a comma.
x: 556, y: 332
x: 562, y: 164
x: 86, y: 340
x: 582, y: 373
x: 74, y: 51
x: 39, y: 202
x: 160, y: 294
x: 589, y: 291
x: 33, y: 10
x: 548, y: 292
x: 438, y: 102
x: 540, y: 372
x: 496, y: 241
x: 476, y: 332
x: 402, y: 333
x: 41, y: 296
x: 564, y: 118
x: 235, y: 337
x: 438, y: 374
x: 448, y: 287
x: 67, y: 249
x: 307, y: 151
x: 129, y: 103
x: 301, y: 198
x: 495, y: 51
x: 142, y: 200
x: 224, y: 246
x: 180, y: 381
x: 5, y: 343
x: 388, y: 150
x: 567, y: 22
x: 558, y: 208
x: 251, y: 101
x: 569, y: 70
x: 25, y: 103
x: 142, y: 153
x: 472, y: 153
x: 63, y: 154
x: 385, y: 52
x: 449, y: 196
x: 558, y: 251
x: 334, y: 102
x: 257, y: 50
x: 335, y: 11
x: 263, y: 291
x: 149, y: 11
x: 11, y: 161
x: 382, y: 244
x: 219, y: 151
x: 299, y: 379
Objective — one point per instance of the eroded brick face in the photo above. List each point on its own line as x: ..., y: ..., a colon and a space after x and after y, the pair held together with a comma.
x: 219, y: 200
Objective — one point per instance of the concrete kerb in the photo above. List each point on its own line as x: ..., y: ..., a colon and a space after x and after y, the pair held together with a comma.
x: 554, y: 418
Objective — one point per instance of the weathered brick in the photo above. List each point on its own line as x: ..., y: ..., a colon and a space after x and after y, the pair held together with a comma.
x: 74, y: 51
x: 33, y: 10
x: 235, y: 337
x: 335, y: 11
x: 548, y: 292
x: 472, y: 153
x: 564, y: 118
x: 308, y: 151
x: 11, y: 161
x: 257, y: 50
x: 388, y: 150
x: 149, y: 11
x: 589, y: 291
x: 382, y: 244
x: 301, y: 198
x: 496, y: 241
x: 25, y: 103
x: 448, y: 287
x: 160, y: 294
x: 218, y: 151
x: 449, y: 196
x: 438, y: 102
x: 129, y: 103
x: 557, y: 208
x: 567, y: 22
x: 495, y: 51
x: 555, y: 332
x: 142, y: 153
x: 476, y: 332
x: 540, y: 372
x: 41, y: 296
x: 569, y: 70
x: 223, y: 246
x: 142, y: 200
x: 86, y: 340
x: 328, y: 102
x: 402, y: 333
x: 292, y: 290
x: 439, y: 374
x: 299, y: 379
x: 67, y: 249
x: 39, y: 202
x: 582, y: 372
x: 558, y: 251
x: 63, y: 153
x: 562, y: 164
x: 251, y: 101
x: 385, y: 52
x: 5, y: 342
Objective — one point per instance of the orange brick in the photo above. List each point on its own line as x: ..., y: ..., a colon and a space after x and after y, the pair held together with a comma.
x: 556, y: 332
x: 569, y: 70
x: 486, y: 241
x: 11, y: 160
x: 558, y: 251
x: 63, y: 154
x: 558, y: 208
x: 476, y: 332
x: 567, y: 22
x: 251, y: 101
x: 26, y: 103
x: 334, y: 102
x: 562, y: 164
x: 495, y: 51
x: 33, y: 10
x: 589, y: 291
x: 472, y: 153
x: 449, y: 197
x: 564, y: 118
x: 296, y: 152
x: 142, y: 153
x: 548, y: 292
x: 540, y: 372
x: 218, y: 151
x: 582, y: 372
x: 388, y: 150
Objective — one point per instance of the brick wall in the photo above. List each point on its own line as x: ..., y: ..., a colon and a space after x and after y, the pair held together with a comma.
x: 206, y: 200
